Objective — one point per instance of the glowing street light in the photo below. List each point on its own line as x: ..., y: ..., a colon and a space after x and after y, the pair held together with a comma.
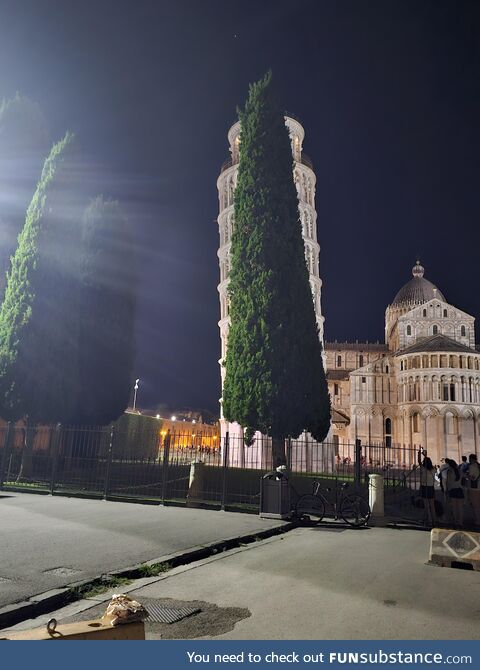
x: 173, y: 418
x: 135, y: 389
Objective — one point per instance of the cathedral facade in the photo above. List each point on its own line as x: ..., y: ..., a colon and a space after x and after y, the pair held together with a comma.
x: 420, y: 388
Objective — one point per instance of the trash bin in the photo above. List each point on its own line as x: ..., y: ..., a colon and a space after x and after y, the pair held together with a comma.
x: 275, y: 495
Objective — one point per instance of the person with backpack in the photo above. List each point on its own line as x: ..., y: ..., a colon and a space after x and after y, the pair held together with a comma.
x: 453, y: 486
x: 427, y: 485
x: 474, y: 487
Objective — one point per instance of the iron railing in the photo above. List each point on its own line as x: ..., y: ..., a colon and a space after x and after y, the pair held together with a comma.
x: 108, y: 462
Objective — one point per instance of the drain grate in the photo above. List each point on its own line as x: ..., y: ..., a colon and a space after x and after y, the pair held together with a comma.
x: 162, y: 614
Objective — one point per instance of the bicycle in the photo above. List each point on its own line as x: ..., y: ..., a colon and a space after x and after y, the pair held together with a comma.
x: 352, y: 508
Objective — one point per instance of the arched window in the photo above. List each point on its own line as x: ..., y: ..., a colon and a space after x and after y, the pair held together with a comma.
x: 411, y: 390
x: 463, y: 332
x: 449, y: 392
x: 424, y: 312
x: 339, y: 361
x: 360, y: 361
x: 388, y: 432
x: 409, y: 330
x: 417, y: 390
x: 435, y: 330
x: 415, y: 423
x: 445, y: 313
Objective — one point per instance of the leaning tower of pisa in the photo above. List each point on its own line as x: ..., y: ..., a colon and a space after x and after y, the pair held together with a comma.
x: 305, y: 180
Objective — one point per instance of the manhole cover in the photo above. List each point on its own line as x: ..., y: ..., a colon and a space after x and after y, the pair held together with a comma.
x: 162, y: 614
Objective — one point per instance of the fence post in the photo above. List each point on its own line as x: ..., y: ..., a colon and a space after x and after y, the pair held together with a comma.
x: 289, y: 454
x: 109, y: 462
x: 55, y: 443
x: 358, y: 458
x: 166, y: 458
x: 5, y: 450
x: 225, y: 466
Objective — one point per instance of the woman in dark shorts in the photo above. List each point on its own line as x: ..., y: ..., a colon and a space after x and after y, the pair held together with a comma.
x: 427, y: 485
x: 455, y: 491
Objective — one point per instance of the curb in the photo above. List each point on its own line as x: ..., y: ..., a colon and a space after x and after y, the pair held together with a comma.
x: 10, y: 615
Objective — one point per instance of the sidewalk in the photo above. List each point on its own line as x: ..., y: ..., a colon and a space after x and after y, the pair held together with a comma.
x: 311, y: 583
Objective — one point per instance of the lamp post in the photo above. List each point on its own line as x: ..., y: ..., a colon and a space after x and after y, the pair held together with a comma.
x: 135, y: 389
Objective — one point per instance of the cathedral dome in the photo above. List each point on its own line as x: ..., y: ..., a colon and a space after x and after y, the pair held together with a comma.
x: 418, y: 290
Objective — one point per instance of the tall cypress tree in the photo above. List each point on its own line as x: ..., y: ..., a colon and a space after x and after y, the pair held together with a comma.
x: 23, y: 147
x: 38, y: 317
x: 275, y: 381
x: 107, y: 313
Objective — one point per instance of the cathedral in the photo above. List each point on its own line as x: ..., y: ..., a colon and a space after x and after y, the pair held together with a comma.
x: 420, y: 388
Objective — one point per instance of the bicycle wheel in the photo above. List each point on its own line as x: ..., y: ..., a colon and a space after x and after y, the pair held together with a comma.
x: 355, y: 510
x: 312, y: 507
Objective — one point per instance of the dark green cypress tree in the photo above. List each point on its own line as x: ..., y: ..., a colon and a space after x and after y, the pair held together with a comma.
x: 23, y: 147
x: 275, y: 381
x: 38, y: 327
x: 107, y: 313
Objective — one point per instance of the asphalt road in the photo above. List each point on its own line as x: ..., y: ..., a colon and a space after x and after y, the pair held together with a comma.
x: 47, y: 542
x: 316, y: 584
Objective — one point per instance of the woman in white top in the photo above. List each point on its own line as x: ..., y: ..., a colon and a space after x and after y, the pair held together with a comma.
x: 427, y: 485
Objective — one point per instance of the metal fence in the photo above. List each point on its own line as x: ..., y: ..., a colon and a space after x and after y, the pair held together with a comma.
x: 173, y: 468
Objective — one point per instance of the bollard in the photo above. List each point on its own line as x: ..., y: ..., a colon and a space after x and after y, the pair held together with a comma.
x: 195, y: 483
x: 376, y: 495
x: 455, y: 548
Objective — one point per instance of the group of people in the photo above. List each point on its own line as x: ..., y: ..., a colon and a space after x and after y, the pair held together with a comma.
x: 457, y: 482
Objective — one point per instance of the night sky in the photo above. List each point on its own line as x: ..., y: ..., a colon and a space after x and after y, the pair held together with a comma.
x: 387, y: 91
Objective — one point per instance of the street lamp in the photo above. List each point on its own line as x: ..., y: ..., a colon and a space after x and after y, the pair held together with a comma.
x: 135, y: 389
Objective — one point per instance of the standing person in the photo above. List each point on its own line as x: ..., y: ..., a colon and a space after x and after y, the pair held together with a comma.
x: 441, y: 478
x: 474, y: 490
x: 454, y: 491
x: 463, y: 469
x: 427, y: 485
